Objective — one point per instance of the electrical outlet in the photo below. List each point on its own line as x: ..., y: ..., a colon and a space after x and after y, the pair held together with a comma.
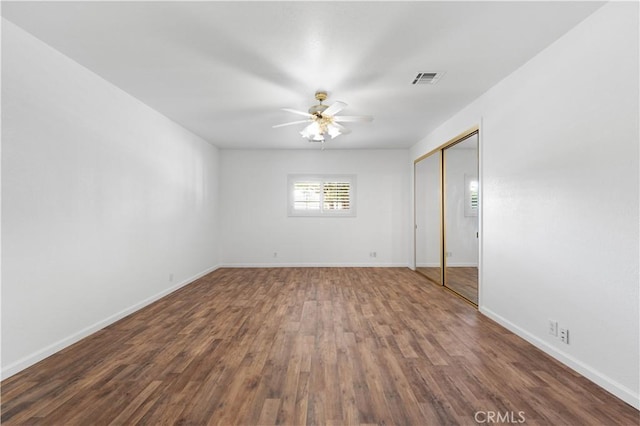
x: 275, y: 254
x: 553, y: 328
x: 171, y: 277
x: 373, y: 254
x: 448, y: 254
x: 564, y: 335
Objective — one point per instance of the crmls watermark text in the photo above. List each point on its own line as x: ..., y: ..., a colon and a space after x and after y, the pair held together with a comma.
x: 484, y: 417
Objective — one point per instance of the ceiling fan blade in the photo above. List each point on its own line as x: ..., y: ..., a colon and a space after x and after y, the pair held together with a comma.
x: 352, y: 118
x: 334, y: 108
x: 290, y: 123
x: 295, y: 111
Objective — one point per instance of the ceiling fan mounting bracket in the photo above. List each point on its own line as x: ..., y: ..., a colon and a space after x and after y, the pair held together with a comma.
x: 321, y: 95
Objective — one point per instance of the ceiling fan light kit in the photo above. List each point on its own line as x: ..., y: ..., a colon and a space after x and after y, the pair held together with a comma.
x: 323, y: 120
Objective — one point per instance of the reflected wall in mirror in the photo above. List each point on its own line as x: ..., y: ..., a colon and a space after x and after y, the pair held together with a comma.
x: 428, y: 237
x: 461, y: 204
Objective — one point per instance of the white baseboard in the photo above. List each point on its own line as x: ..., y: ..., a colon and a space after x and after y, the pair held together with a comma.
x: 449, y: 265
x: 461, y: 265
x: 314, y: 265
x: 43, y: 353
x: 617, y: 389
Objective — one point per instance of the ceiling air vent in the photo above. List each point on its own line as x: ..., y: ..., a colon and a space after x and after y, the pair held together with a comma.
x: 427, y: 78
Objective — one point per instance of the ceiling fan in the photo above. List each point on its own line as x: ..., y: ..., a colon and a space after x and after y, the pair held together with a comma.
x: 323, y: 120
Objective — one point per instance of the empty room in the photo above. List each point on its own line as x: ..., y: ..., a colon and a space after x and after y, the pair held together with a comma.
x: 345, y: 213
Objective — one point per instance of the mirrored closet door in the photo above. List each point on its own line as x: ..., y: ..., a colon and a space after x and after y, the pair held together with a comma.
x: 428, y: 226
x: 461, y: 202
x: 446, y: 203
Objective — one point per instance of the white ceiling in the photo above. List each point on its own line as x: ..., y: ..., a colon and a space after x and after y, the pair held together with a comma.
x: 224, y: 69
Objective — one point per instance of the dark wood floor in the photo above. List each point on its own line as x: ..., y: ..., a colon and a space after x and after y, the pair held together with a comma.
x: 300, y: 346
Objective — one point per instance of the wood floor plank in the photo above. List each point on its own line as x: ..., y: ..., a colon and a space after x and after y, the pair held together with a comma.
x: 297, y: 346
x: 269, y: 412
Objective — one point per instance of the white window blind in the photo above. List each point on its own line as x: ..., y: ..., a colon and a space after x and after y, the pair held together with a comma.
x: 471, y: 195
x: 337, y: 195
x: 322, y: 195
x: 474, y: 196
x: 306, y: 195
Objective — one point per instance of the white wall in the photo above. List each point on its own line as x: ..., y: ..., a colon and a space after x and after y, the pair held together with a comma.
x: 254, y: 209
x: 559, y: 193
x: 102, y: 199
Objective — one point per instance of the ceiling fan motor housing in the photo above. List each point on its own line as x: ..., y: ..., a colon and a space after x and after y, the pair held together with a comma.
x: 317, y: 110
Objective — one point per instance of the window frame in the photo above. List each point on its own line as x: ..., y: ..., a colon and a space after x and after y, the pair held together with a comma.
x: 322, y: 179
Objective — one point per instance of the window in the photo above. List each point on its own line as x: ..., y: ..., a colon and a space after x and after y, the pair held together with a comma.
x: 322, y: 195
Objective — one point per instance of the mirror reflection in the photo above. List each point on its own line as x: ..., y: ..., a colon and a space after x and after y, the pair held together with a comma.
x: 428, y: 218
x: 461, y: 204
